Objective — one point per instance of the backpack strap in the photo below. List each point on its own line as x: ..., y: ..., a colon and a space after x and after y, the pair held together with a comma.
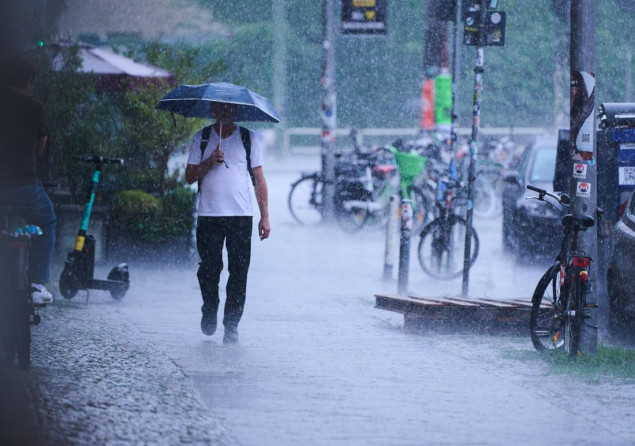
x: 246, y: 138
x: 207, y: 132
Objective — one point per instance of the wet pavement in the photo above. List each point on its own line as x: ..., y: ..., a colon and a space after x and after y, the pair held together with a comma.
x: 316, y: 363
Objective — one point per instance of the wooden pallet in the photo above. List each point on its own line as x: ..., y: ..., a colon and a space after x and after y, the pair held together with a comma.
x: 456, y: 314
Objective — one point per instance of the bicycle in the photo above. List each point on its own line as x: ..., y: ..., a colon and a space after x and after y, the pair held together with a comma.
x: 442, y: 241
x: 19, y: 311
x: 365, y: 182
x: 559, y: 306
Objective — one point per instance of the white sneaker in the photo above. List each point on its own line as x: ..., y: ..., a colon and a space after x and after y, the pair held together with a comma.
x: 40, y: 294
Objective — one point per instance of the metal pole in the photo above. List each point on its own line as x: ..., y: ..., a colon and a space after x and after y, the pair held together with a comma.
x: 476, y: 120
x: 404, y: 246
x: 329, y: 110
x: 391, y: 236
x: 583, y: 188
x: 456, y: 58
x: 279, y: 67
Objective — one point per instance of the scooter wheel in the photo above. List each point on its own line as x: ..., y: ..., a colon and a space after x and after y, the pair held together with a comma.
x: 118, y: 294
x: 68, y: 282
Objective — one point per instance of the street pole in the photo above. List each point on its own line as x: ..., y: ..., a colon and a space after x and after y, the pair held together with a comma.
x: 404, y: 246
x: 456, y: 59
x: 583, y: 190
x: 279, y: 66
x: 476, y: 121
x: 329, y: 110
x: 434, y: 36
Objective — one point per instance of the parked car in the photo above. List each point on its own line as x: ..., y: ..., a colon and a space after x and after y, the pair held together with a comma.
x: 531, y: 226
x: 620, y: 276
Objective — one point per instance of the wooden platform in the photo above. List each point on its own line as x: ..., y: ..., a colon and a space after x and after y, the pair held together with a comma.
x: 456, y: 314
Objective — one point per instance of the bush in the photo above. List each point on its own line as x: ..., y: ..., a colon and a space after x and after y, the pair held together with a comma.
x: 142, y: 217
x: 178, y: 218
x: 138, y: 215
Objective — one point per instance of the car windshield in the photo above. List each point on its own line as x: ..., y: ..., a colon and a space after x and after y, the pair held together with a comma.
x: 544, y: 166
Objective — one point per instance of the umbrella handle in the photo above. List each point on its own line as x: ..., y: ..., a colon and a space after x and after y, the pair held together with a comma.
x: 220, y: 139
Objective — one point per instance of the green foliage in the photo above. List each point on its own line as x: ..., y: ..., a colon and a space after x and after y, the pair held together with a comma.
x: 613, y: 361
x: 378, y: 78
x: 146, y: 218
x: 177, y: 211
x: 608, y: 361
x: 137, y: 214
x: 80, y: 121
x: 84, y: 121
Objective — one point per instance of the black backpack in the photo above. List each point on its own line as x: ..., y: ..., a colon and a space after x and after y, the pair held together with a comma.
x: 246, y: 139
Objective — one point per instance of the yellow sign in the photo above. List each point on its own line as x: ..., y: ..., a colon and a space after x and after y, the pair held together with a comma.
x: 370, y: 15
x: 364, y: 3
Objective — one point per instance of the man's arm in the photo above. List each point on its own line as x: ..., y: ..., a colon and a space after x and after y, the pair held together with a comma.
x: 194, y: 172
x: 262, y: 196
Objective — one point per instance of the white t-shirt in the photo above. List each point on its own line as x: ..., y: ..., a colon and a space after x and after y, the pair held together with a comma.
x: 225, y: 190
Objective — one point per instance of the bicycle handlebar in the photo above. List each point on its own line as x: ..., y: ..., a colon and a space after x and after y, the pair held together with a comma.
x: 536, y: 189
x: 96, y: 159
x: 562, y: 199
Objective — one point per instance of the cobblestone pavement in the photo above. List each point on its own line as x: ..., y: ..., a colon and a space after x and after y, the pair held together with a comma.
x: 95, y: 381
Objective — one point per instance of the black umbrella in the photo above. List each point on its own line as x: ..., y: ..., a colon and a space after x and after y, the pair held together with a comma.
x: 193, y: 101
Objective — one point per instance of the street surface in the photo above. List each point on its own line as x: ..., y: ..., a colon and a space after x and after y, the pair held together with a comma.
x: 316, y: 363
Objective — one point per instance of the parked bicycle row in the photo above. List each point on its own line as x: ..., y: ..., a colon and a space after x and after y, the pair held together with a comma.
x: 421, y: 171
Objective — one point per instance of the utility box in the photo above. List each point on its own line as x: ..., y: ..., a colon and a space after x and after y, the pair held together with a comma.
x: 616, y: 157
x: 615, y: 138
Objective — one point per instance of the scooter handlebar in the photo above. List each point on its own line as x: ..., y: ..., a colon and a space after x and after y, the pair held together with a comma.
x: 98, y: 159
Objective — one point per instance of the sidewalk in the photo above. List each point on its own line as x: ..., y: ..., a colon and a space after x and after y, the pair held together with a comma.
x: 94, y: 381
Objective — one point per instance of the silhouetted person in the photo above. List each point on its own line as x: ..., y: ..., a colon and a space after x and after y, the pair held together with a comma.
x: 22, y: 141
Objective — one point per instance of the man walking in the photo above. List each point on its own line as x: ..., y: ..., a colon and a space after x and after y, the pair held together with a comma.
x: 222, y: 159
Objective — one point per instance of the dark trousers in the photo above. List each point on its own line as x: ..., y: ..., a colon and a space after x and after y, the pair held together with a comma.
x: 211, y: 234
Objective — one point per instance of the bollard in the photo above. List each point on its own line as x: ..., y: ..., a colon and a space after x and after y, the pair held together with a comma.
x: 391, y: 235
x: 404, y: 246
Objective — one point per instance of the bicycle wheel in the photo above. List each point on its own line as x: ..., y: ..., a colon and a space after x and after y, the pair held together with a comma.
x: 442, y: 247
x: 352, y: 205
x: 484, y: 198
x: 69, y: 282
x: 305, y: 200
x: 545, y: 319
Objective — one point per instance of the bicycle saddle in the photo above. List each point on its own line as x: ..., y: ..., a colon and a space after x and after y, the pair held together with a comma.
x: 583, y: 221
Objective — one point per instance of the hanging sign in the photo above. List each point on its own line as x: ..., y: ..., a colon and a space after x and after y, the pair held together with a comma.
x: 364, y: 17
x: 494, y: 32
x: 443, y: 99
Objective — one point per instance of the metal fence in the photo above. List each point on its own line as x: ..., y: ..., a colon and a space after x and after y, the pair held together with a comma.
x: 306, y: 140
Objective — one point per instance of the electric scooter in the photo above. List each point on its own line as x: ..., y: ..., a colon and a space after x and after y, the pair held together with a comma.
x: 79, y: 267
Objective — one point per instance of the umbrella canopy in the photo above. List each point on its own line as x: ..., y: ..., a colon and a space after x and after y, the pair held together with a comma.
x: 193, y: 101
